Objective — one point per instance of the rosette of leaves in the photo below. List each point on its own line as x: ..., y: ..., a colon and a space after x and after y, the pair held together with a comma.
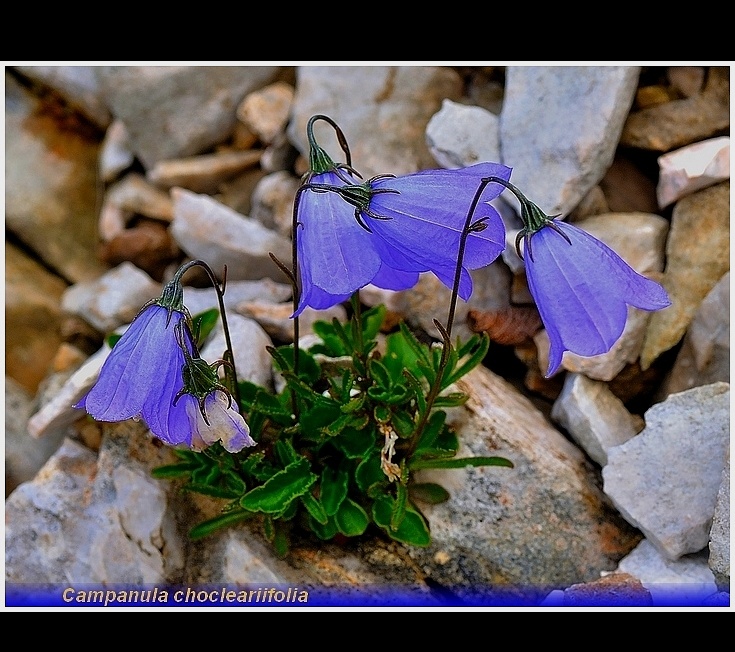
x: 339, y: 445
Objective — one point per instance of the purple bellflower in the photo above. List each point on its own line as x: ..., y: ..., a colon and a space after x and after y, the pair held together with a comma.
x: 388, y: 230
x: 142, y: 373
x: 203, y: 412
x: 581, y: 287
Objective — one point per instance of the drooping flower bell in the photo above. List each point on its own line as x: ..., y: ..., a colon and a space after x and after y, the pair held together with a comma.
x: 203, y: 412
x: 142, y: 373
x: 388, y: 230
x: 581, y: 287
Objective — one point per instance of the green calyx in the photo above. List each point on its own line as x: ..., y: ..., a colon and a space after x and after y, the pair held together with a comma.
x: 200, y: 378
x: 319, y: 160
x: 358, y: 194
x: 533, y: 218
x: 172, y: 296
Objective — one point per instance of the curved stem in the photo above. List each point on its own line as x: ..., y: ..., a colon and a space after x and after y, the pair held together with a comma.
x: 230, y: 369
x: 340, y: 135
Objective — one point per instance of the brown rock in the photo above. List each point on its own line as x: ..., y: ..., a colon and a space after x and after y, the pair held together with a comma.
x: 509, y: 326
x: 680, y: 122
x: 149, y: 246
x: 51, y: 184
x: 697, y: 256
x: 33, y: 318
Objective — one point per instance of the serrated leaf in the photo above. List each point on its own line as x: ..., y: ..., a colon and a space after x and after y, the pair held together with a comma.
x: 218, y: 522
x: 276, y: 494
x: 351, y: 519
x: 214, y: 492
x: 459, y: 463
x: 420, y: 351
x: 372, y: 320
x: 353, y: 405
x: 283, y: 357
x: 285, y: 452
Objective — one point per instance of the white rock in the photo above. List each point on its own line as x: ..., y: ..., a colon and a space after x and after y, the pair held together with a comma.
x: 691, y: 168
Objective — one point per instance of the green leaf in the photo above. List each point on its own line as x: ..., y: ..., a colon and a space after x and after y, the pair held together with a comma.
x: 275, y: 495
x: 418, y: 390
x: 432, y: 430
x: 369, y: 473
x: 212, y: 525
x: 214, y: 492
x: 428, y: 492
x: 419, y: 350
x: 112, y: 339
x: 476, y: 349
x: 281, y: 543
x: 283, y: 357
x: 453, y: 399
x: 380, y: 374
x: 333, y: 486
x: 315, y: 508
x: 458, y: 463
x: 372, y: 320
x: 413, y: 529
x: 324, y: 532
x: 168, y: 471
x: 285, y: 452
x: 381, y: 414
x: 203, y: 323
x: 354, y: 443
x: 270, y: 406
x: 352, y: 520
x: 399, y: 507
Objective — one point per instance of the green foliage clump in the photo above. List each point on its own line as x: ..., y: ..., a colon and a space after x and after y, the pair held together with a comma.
x: 339, y: 444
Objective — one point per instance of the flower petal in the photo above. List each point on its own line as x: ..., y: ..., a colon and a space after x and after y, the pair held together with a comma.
x: 335, y: 253
x: 429, y: 212
x: 160, y: 413
x: 226, y: 424
x: 582, y: 291
x: 131, y: 375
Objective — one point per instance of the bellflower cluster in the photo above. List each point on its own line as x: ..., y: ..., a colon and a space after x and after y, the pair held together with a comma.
x: 154, y: 373
x: 339, y: 450
x: 581, y: 287
x: 388, y: 230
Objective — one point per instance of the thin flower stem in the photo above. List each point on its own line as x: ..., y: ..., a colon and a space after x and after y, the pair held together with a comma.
x: 230, y: 369
x: 296, y: 292
x: 446, y: 333
x: 357, y: 316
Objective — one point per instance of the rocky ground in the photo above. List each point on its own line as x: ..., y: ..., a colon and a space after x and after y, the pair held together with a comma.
x: 117, y: 174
